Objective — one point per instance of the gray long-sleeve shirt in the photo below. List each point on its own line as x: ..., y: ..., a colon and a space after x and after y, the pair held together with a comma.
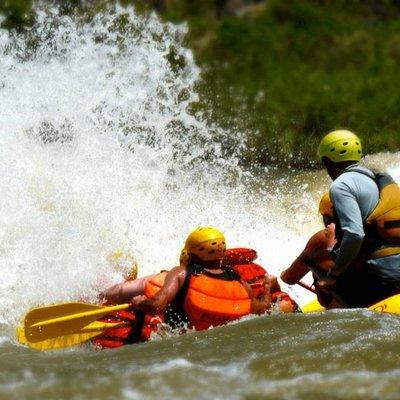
x: 354, y: 196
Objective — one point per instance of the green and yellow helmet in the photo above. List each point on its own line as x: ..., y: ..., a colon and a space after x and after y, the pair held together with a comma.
x: 340, y: 145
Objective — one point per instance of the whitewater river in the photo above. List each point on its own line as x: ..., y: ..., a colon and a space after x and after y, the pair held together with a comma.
x: 98, y: 152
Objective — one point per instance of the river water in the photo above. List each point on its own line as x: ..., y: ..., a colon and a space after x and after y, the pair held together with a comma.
x: 98, y: 152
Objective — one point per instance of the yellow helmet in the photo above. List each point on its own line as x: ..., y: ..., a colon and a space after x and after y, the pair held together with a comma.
x: 207, y: 243
x: 326, y: 205
x: 340, y: 146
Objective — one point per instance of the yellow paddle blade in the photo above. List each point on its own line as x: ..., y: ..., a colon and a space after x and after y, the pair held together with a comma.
x: 62, y: 319
x: 390, y: 305
x: 88, y: 332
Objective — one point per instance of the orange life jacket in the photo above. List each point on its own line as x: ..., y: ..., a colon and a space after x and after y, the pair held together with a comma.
x: 209, y: 300
x: 213, y: 300
x: 239, y: 259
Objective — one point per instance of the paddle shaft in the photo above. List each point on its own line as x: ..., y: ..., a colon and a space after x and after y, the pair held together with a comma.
x: 305, y: 286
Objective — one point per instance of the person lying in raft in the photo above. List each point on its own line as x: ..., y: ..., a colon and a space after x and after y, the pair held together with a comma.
x: 241, y: 260
x: 203, y: 293
x: 225, y: 274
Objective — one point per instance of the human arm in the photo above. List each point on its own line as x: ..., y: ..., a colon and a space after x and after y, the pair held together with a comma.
x: 297, y: 270
x: 314, y: 253
x: 158, y: 304
x: 123, y: 292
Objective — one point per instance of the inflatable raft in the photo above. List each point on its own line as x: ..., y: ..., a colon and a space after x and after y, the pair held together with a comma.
x: 391, y: 305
